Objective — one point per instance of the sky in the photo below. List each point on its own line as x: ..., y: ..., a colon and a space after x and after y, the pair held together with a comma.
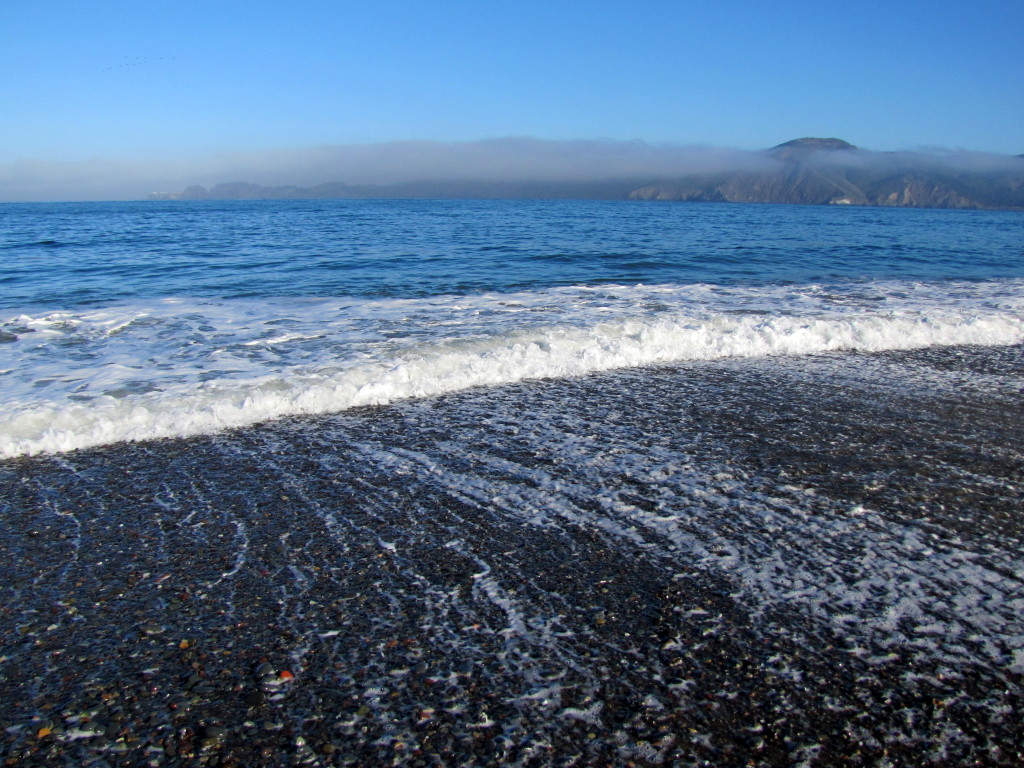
x: 104, y: 98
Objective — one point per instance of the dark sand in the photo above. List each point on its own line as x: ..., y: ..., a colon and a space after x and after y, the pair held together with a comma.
x: 809, y: 560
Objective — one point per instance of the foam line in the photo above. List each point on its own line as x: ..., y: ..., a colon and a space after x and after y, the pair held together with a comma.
x: 177, y: 370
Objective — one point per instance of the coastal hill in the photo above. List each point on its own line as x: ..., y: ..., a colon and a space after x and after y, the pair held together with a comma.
x: 834, y: 172
x: 798, y: 149
x: 809, y: 171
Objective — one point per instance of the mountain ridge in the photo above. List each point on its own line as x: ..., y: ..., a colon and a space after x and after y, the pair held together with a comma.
x: 804, y: 171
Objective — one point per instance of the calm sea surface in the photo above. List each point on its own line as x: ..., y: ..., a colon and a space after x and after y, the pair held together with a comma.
x: 133, y: 320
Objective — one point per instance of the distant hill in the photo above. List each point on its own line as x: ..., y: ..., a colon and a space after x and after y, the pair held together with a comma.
x: 810, y: 143
x: 834, y: 172
x: 799, y: 149
x: 807, y: 171
x: 443, y: 189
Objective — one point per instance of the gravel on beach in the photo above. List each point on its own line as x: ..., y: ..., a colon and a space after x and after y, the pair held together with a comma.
x: 787, y: 561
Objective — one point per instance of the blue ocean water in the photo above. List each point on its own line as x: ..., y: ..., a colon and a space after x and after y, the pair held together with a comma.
x: 66, y: 255
x: 123, y: 321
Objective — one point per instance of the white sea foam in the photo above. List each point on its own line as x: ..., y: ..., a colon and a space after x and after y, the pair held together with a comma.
x: 179, y: 367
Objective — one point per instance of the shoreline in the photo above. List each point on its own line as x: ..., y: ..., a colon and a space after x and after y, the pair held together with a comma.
x: 809, y: 560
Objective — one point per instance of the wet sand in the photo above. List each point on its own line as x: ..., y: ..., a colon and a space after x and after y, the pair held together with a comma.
x: 811, y: 560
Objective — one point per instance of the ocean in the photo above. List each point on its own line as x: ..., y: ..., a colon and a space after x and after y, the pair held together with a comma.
x: 510, y: 482
x: 129, y: 321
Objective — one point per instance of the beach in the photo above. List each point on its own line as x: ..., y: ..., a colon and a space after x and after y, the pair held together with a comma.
x: 784, y: 560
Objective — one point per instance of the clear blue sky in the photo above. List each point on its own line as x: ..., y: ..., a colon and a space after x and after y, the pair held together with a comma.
x: 159, y: 79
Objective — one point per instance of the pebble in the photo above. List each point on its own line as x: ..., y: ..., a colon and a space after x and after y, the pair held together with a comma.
x: 127, y: 689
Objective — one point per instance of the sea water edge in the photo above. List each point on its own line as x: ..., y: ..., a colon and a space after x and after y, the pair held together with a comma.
x: 143, y: 320
x: 730, y: 542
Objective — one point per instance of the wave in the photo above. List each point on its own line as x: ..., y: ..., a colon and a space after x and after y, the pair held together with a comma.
x: 180, y: 368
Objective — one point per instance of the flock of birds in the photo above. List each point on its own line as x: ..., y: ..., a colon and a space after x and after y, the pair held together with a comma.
x: 137, y: 61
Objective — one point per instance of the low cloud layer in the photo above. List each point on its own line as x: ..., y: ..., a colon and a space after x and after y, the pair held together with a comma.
x: 511, y: 159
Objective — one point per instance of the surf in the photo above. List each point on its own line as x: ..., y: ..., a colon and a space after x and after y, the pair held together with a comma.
x: 183, y: 367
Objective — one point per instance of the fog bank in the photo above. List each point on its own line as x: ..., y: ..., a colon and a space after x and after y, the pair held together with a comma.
x: 505, y: 159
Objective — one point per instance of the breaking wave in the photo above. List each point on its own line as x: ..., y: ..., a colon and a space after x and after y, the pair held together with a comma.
x: 177, y: 367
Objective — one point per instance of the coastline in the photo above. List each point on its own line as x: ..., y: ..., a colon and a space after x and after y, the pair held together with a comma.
x: 792, y: 560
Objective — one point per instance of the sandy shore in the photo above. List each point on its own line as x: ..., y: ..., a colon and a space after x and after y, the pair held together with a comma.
x: 809, y: 561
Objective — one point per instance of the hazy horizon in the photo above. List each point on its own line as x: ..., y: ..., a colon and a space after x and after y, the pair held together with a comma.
x: 517, y: 159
